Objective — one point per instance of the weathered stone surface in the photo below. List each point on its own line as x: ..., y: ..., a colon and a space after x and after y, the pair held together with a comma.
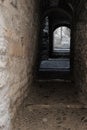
x: 80, y: 58
x: 18, y: 41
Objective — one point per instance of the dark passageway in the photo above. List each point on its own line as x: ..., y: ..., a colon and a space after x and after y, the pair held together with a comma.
x: 56, y: 45
x: 43, y: 64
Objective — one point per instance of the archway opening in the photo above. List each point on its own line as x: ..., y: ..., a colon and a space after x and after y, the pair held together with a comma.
x: 61, y: 40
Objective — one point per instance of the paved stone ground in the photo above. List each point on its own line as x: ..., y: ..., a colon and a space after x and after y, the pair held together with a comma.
x: 52, y: 106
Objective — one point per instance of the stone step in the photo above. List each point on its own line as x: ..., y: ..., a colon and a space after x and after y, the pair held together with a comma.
x: 56, y: 106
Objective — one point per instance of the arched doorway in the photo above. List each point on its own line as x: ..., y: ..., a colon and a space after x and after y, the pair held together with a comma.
x: 61, y: 40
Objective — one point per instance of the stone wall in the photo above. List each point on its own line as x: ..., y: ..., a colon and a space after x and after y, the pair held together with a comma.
x: 80, y: 46
x: 18, y: 43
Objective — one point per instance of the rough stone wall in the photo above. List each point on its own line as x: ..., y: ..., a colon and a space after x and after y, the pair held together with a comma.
x: 18, y: 38
x: 80, y: 46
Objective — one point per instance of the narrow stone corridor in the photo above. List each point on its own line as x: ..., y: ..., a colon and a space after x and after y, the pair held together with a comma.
x: 51, y: 106
x: 42, y: 41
